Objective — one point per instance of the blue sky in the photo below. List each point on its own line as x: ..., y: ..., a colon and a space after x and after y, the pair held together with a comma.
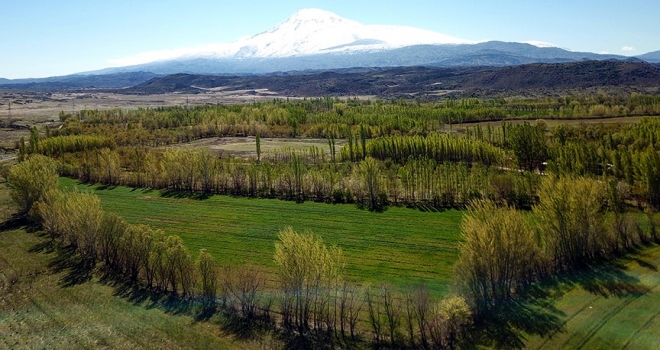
x: 55, y: 37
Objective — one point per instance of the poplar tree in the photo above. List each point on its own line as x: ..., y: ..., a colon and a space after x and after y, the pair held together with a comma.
x: 258, y: 145
x: 208, y: 274
x: 528, y: 144
x: 307, y: 270
x: 31, y: 181
x: 498, y: 251
x: 571, y: 220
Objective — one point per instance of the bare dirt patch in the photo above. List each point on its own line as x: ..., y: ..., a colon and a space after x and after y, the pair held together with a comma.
x: 246, y: 147
x: 37, y: 107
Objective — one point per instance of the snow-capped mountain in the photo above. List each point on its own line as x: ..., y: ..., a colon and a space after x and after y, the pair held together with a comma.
x: 308, y: 32
x: 314, y: 31
x: 314, y: 39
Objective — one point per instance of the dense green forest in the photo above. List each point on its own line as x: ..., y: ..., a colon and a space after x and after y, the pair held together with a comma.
x: 539, y: 200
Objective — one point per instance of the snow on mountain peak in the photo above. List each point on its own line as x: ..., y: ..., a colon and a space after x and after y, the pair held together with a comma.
x: 307, y: 32
x: 541, y: 44
x: 314, y: 14
x: 313, y: 31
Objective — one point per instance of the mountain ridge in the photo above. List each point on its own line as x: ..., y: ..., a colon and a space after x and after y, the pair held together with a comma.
x: 652, y: 57
x: 499, y: 53
x: 419, y: 81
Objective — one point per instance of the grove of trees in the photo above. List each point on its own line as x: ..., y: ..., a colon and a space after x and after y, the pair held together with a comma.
x: 539, y: 201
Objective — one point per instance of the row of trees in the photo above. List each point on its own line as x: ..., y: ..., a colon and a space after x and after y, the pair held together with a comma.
x: 136, y: 252
x: 316, y: 302
x: 438, y: 147
x: 577, y: 221
x: 297, y: 176
x: 630, y: 155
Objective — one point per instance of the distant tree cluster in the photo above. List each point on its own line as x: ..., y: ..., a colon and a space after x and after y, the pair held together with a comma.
x: 417, y: 164
x: 319, y: 118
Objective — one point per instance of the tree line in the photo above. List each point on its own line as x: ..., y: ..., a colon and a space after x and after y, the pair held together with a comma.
x: 577, y: 221
x: 302, y: 175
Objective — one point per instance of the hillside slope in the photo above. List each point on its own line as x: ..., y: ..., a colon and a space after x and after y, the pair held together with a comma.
x: 568, y: 75
x: 419, y: 81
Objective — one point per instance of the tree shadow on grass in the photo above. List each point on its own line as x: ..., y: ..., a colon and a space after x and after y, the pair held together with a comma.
x: 507, y: 326
x: 183, y: 194
x: 606, y: 279
x: 105, y: 187
x: 78, y: 269
x: 299, y: 342
x: 206, y: 313
x: 535, y: 314
x: 150, y: 298
x: 19, y: 221
x: 46, y: 245
x: 325, y: 340
x: 645, y: 264
x: 427, y: 208
x: 244, y: 328
x: 142, y: 190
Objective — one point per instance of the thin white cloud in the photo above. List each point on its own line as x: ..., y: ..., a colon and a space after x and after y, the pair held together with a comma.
x: 153, y: 56
x: 541, y: 44
x: 627, y: 48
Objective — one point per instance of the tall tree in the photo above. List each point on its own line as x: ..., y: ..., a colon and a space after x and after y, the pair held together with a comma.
x: 369, y: 174
x: 571, y: 219
x: 529, y: 145
x: 31, y: 181
x: 499, y: 249
x: 208, y: 274
x: 258, y: 144
x: 307, y: 269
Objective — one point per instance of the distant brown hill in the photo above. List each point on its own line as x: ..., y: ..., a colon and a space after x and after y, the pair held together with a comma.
x: 421, y: 81
x: 572, y: 75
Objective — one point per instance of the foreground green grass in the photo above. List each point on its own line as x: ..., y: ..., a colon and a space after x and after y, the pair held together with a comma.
x: 616, y: 307
x: 37, y: 310
x: 402, y: 246
x: 45, y: 303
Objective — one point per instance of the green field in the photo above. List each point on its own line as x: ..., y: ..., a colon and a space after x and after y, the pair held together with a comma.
x: 44, y: 302
x: 615, y: 307
x: 401, y: 245
x: 47, y: 303
x: 39, y: 309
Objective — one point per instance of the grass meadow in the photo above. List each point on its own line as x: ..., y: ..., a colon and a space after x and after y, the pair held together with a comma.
x: 41, y: 307
x: 401, y: 246
x: 46, y: 302
x: 608, y: 307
